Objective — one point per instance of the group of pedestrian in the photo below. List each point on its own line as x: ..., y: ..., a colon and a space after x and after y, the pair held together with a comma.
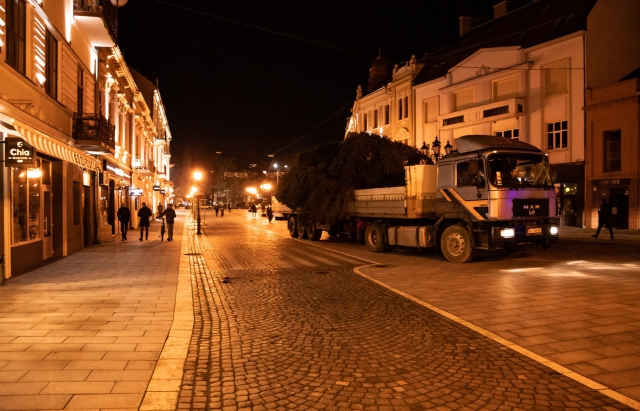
x: 145, y: 214
x: 220, y: 208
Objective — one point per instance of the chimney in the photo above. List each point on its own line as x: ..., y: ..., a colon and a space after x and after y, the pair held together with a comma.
x: 500, y: 9
x: 466, y: 24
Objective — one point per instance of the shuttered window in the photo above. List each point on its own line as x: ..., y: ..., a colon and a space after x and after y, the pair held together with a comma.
x: 431, y: 110
x: 556, y: 79
x: 463, y: 99
x: 505, y: 88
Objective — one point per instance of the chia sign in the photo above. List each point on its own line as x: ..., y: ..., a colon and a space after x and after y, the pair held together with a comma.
x: 18, y: 152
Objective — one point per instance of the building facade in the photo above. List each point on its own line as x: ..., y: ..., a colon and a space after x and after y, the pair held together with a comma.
x: 523, y: 74
x: 69, y: 119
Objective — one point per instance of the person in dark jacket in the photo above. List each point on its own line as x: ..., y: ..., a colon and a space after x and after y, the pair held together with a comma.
x: 269, y: 213
x: 124, y: 216
x: 145, y: 214
x: 604, y: 218
x: 170, y: 214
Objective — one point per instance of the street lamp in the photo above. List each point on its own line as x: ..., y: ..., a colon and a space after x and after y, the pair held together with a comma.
x: 278, y: 172
x: 435, y: 147
x: 198, y: 176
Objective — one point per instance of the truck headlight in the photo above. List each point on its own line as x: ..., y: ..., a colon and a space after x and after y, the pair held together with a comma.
x: 507, y: 233
x: 553, y: 230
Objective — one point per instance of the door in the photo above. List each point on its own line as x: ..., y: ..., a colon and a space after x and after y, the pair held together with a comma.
x: 619, y: 200
x: 47, y: 221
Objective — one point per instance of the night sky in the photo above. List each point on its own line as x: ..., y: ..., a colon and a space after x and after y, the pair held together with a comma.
x: 253, y: 78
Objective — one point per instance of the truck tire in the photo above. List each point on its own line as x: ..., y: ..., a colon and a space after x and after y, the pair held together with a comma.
x: 292, y: 226
x: 314, y: 232
x: 456, y: 244
x: 375, y: 239
x: 302, y: 232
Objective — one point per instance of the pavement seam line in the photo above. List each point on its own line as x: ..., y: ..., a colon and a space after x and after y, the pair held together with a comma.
x: 164, y: 387
x: 503, y: 341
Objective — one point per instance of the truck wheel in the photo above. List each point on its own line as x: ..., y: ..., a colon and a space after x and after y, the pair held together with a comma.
x: 293, y: 227
x: 302, y: 233
x: 314, y: 233
x: 456, y: 244
x: 374, y: 239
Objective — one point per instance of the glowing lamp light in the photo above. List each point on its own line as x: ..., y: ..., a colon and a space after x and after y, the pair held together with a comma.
x: 507, y: 233
x: 34, y: 173
x: 553, y: 230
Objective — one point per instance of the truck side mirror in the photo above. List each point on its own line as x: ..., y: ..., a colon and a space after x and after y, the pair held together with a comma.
x: 478, y: 181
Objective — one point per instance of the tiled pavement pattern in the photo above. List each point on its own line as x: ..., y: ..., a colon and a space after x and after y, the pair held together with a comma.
x: 274, y: 332
x: 85, y: 332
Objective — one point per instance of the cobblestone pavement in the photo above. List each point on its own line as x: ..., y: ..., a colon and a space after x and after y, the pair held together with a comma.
x: 282, y: 325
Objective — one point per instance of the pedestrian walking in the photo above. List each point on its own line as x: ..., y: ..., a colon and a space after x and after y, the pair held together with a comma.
x: 269, y: 213
x: 170, y: 214
x: 160, y: 210
x: 222, y: 211
x: 229, y: 207
x: 145, y: 214
x: 124, y: 216
x: 217, y: 207
x: 254, y: 210
x: 604, y: 218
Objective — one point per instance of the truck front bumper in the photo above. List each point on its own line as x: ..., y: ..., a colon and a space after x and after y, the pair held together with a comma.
x: 509, y: 235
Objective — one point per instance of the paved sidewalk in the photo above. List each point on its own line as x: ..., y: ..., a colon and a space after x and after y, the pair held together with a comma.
x: 87, y: 331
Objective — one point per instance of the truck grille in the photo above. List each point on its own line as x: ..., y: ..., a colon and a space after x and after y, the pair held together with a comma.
x: 530, y: 207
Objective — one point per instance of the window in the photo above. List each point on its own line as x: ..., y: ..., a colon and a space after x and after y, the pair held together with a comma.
x: 399, y: 109
x: 80, y: 90
x: 16, y: 34
x: 386, y: 114
x: 365, y: 122
x: 467, y: 171
x: 375, y: 118
x: 25, y: 203
x: 51, y: 66
x: 431, y: 110
x: 505, y: 88
x: 406, y: 107
x: 556, y: 79
x: 463, y: 99
x: 612, y: 150
x: 557, y: 135
x: 514, y: 133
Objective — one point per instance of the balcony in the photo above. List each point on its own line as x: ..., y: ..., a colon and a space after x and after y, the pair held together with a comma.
x: 93, y: 133
x: 98, y: 19
x: 143, y: 167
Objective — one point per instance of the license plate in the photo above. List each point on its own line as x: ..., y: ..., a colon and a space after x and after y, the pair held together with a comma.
x: 534, y: 230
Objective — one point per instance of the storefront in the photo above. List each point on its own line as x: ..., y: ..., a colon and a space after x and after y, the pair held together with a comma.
x: 113, y: 191
x: 569, y: 183
x: 48, y: 197
x: 622, y: 195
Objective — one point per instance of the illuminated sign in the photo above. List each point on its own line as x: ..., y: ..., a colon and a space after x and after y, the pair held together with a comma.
x: 18, y: 152
x: 162, y: 191
x: 156, y: 188
x: 135, y: 192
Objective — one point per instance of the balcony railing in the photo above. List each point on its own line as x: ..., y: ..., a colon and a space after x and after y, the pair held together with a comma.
x: 94, y: 133
x: 143, y: 167
x: 100, y: 8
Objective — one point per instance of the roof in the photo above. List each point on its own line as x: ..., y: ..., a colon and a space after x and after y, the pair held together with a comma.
x: 146, y: 87
x: 533, y: 24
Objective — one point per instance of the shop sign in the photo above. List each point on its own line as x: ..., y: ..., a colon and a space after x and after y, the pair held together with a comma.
x: 162, y: 191
x: 135, y: 192
x: 611, y: 182
x: 18, y: 152
x: 112, y: 168
x: 156, y: 188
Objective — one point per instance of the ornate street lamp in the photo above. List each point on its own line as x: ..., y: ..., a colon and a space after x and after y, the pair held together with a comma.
x: 278, y: 171
x: 435, y: 147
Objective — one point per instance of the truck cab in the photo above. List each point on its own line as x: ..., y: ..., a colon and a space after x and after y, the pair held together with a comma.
x: 501, y: 189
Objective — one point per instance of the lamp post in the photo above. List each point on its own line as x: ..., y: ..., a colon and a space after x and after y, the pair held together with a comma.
x: 278, y: 172
x: 435, y: 147
x: 198, y: 176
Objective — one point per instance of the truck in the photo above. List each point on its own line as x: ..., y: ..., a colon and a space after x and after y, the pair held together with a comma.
x: 280, y: 211
x: 490, y: 193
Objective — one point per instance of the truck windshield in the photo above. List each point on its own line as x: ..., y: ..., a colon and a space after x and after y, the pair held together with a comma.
x: 519, y: 171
